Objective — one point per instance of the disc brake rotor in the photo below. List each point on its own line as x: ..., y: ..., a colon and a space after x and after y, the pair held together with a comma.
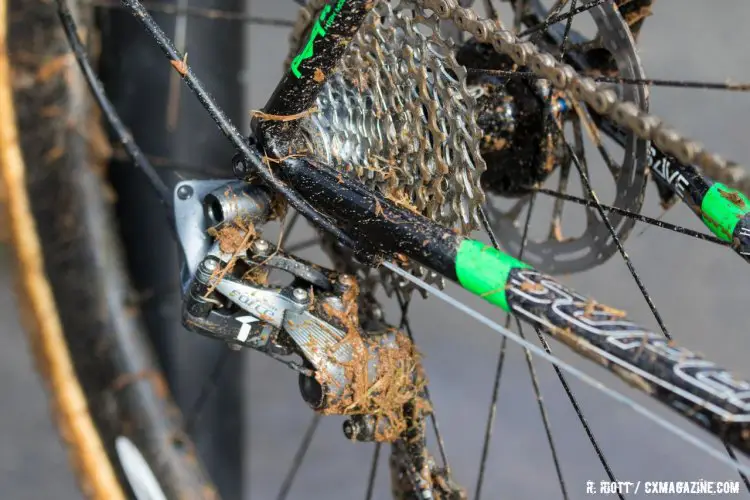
x: 556, y: 253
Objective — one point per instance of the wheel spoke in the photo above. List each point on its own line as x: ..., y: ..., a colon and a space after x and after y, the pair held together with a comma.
x: 655, y: 82
x: 561, y: 17
x: 579, y: 412
x: 594, y: 134
x: 548, y: 21
x: 543, y: 413
x: 518, y: 9
x: 688, y: 84
x: 501, y: 356
x: 302, y: 245
x: 207, y: 389
x: 517, y: 207
x: 488, y: 228
x: 566, y: 34
x: 123, y: 134
x: 175, y: 87
x: 595, y: 43
x: 491, y: 416
x: 580, y: 150
x: 373, y: 471
x: 733, y: 456
x: 163, y: 163
x: 555, y: 230
x: 287, y: 229
x: 635, y: 216
x: 299, y: 457
x: 491, y: 10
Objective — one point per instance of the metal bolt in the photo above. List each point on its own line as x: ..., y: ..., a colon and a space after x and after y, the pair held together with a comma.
x: 239, y: 167
x: 260, y: 247
x: 300, y: 295
x: 210, y: 265
x: 184, y: 192
x: 206, y: 270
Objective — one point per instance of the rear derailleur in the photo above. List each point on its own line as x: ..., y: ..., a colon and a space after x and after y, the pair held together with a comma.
x: 246, y: 291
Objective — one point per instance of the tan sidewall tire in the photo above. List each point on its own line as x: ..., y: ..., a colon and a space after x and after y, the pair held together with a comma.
x: 40, y: 317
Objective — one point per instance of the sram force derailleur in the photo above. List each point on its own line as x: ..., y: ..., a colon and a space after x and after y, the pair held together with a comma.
x: 350, y: 362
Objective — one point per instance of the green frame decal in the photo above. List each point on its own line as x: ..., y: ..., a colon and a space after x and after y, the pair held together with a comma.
x: 323, y: 22
x: 722, y: 208
x: 484, y: 270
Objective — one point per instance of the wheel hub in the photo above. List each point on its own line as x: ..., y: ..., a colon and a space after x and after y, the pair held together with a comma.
x: 511, y: 114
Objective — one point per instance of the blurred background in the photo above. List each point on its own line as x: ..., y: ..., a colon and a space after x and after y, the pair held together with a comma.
x: 700, y: 289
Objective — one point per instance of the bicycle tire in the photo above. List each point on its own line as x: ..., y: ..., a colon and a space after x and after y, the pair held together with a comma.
x: 85, y: 330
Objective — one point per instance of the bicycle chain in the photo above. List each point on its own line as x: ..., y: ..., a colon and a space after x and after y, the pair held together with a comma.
x: 565, y: 78
x: 603, y: 101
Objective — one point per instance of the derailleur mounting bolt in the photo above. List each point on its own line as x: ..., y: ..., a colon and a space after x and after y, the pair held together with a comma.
x: 260, y: 247
x: 300, y: 295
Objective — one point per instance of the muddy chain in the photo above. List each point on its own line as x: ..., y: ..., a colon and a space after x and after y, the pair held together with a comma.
x: 603, y: 101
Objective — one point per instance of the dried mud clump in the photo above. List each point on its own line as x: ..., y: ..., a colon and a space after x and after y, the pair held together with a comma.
x: 398, y: 380
x: 257, y: 275
x: 234, y: 237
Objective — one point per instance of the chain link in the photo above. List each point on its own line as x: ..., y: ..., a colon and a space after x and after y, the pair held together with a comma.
x: 564, y: 77
x: 603, y: 101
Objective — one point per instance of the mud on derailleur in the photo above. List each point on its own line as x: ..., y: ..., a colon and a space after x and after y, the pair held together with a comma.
x: 352, y: 363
